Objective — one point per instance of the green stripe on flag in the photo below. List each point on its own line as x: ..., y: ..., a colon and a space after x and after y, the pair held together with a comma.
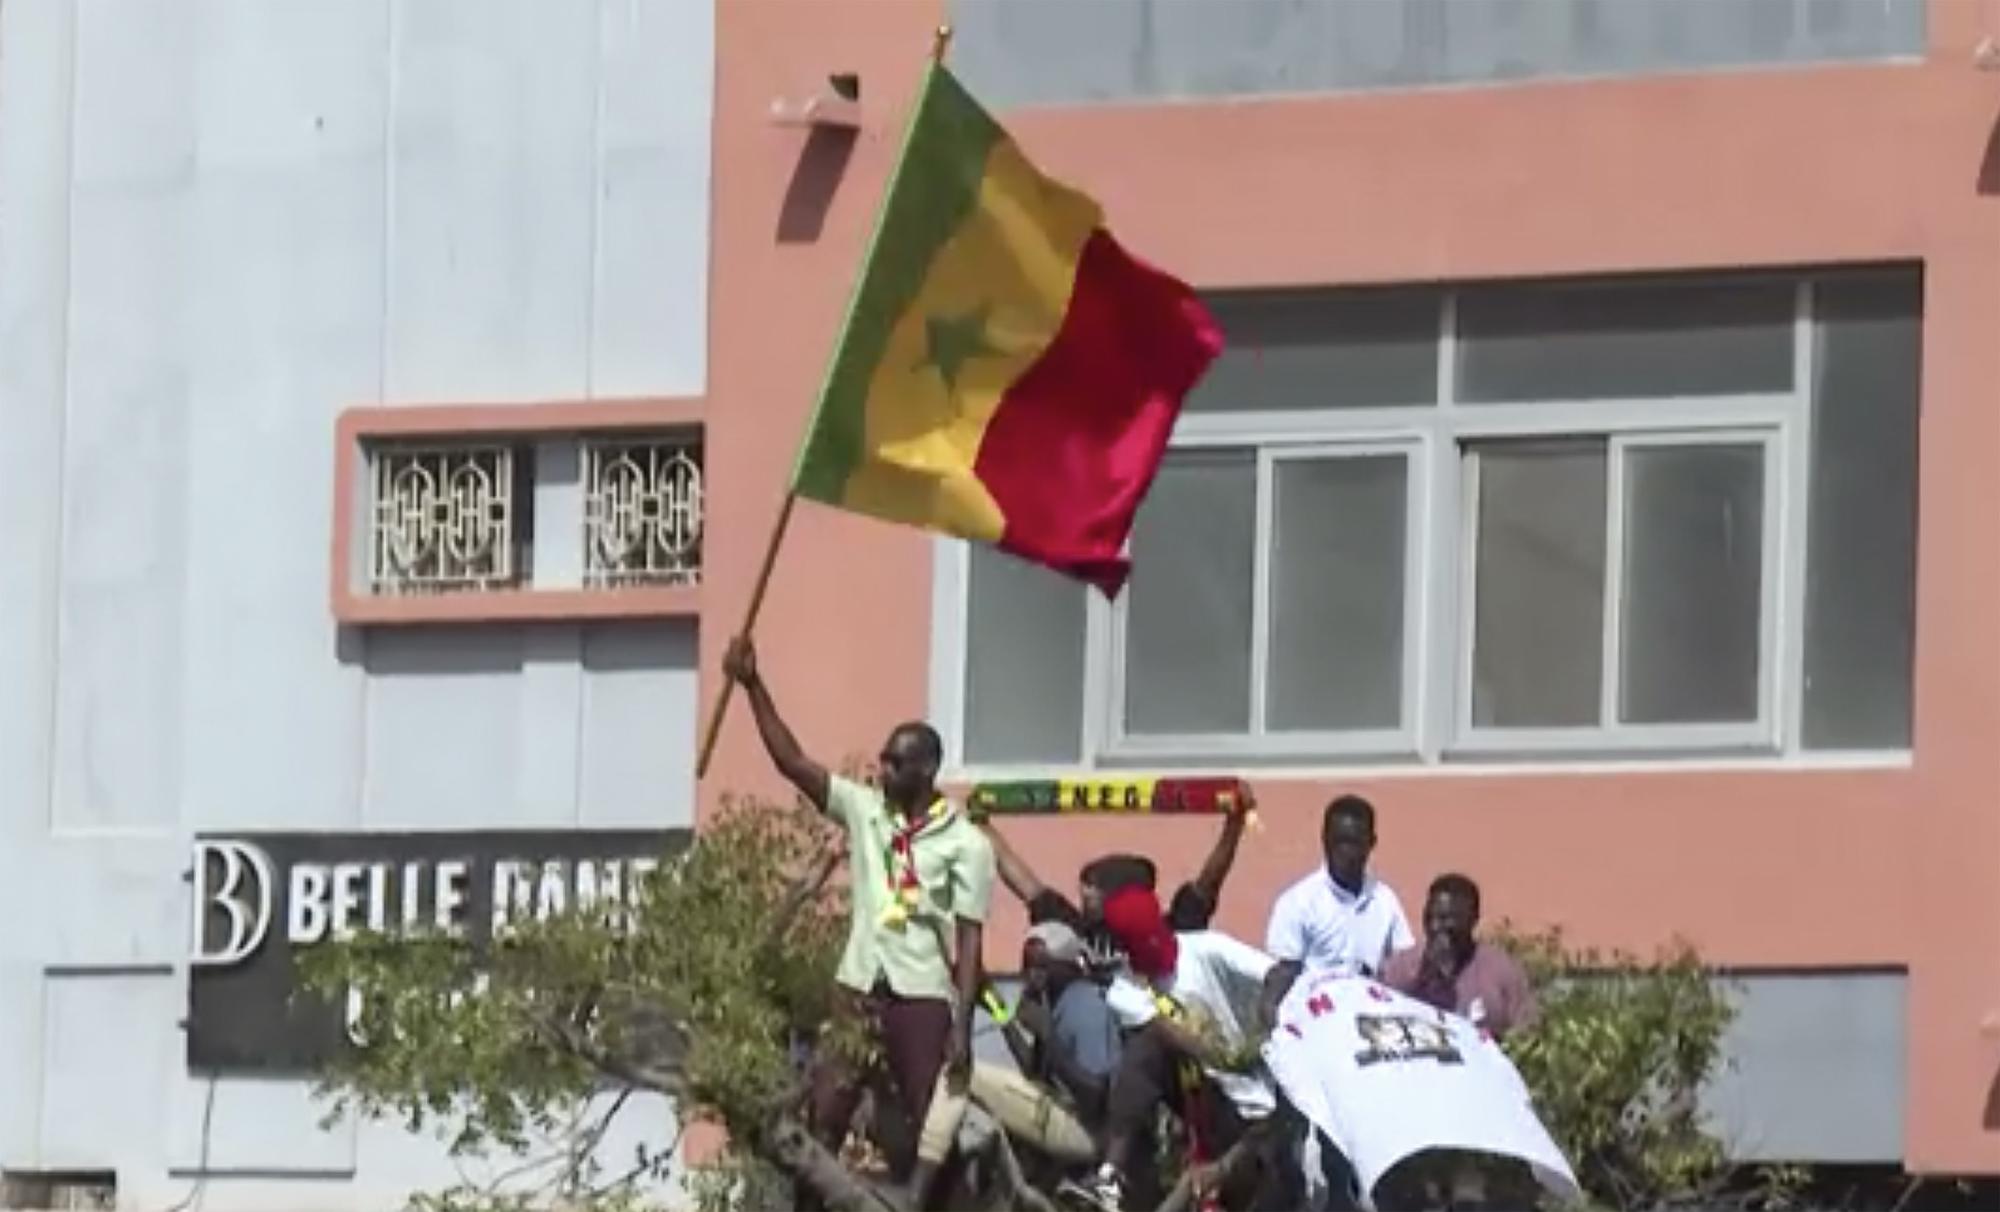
x: 932, y: 189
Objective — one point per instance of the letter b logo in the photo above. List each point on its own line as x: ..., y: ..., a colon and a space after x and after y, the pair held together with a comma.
x: 232, y: 881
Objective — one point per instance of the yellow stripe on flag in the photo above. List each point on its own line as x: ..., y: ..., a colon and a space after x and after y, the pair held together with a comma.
x: 1004, y: 278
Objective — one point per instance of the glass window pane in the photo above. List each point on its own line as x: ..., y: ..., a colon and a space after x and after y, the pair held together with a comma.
x: 1023, y: 661
x: 1338, y: 547
x: 1187, y: 623
x: 1693, y: 584
x: 1323, y: 349
x: 1538, y: 598
x: 1526, y: 342
x: 1861, y: 576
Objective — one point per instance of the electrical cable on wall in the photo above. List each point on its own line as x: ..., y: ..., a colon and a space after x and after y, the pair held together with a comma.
x: 191, y: 1202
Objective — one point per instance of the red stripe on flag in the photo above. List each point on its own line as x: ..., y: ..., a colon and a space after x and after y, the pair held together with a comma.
x: 1077, y: 439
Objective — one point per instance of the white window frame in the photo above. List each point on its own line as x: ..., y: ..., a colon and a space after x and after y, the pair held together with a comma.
x: 1758, y: 735
x: 1125, y: 747
x: 1437, y: 656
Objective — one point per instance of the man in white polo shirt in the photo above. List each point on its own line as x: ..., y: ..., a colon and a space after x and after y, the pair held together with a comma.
x: 1340, y: 918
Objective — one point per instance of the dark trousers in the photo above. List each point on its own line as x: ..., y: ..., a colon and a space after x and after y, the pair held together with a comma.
x: 912, y: 1032
x: 1149, y: 1077
x: 1452, y: 1178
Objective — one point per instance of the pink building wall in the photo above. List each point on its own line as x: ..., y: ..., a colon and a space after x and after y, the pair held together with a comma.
x: 1791, y: 866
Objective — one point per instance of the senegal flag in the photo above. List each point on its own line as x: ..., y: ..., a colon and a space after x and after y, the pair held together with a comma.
x: 1007, y: 372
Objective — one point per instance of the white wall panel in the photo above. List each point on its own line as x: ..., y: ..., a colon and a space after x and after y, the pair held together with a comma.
x: 285, y: 329
x: 493, y: 117
x: 640, y: 706
x: 551, y: 726
x: 650, y: 300
x: 221, y: 223
x: 21, y: 1056
x: 109, y: 901
x: 254, y: 1126
x: 444, y: 729
x: 35, y: 61
x: 124, y: 526
x: 103, y: 1034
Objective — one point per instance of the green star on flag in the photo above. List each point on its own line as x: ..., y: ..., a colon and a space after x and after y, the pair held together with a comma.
x: 953, y: 340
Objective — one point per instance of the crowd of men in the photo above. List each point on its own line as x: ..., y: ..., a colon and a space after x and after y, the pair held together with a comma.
x: 1127, y: 1007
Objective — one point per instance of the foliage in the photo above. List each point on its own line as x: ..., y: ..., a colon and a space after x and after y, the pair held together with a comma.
x: 716, y: 983
x: 703, y: 987
x: 1617, y: 1060
x: 737, y: 1181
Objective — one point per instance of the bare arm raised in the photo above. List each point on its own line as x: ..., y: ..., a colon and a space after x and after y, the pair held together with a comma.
x: 1020, y: 879
x: 740, y: 664
x: 1216, y: 869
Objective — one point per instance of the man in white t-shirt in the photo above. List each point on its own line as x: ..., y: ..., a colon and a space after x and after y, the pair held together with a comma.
x: 1340, y: 918
x: 1385, y: 1079
x: 1190, y: 1003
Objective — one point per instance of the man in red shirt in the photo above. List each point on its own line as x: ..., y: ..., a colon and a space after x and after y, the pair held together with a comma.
x: 1454, y: 971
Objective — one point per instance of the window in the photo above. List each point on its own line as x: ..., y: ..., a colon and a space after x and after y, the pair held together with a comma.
x: 1617, y: 586
x: 1229, y: 641
x: 642, y: 511
x: 470, y: 515
x: 448, y: 518
x: 1619, y: 517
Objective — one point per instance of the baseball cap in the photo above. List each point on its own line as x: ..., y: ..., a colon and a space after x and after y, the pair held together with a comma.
x: 1062, y: 944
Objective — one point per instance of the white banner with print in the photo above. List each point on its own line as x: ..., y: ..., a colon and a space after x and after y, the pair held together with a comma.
x: 1387, y: 1077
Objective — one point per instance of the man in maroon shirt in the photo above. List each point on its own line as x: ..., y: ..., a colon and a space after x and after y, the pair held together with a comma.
x: 1454, y: 971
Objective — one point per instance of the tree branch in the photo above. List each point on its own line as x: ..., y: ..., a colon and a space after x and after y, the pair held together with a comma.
x: 584, y: 1142
x: 660, y: 1079
x: 1196, y: 1179
x: 648, y: 1162
x: 789, y: 1146
x: 807, y: 887
x: 1020, y: 1193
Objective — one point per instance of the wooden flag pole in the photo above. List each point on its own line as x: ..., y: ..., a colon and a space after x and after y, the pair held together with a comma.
x: 714, y: 730
x: 940, y: 42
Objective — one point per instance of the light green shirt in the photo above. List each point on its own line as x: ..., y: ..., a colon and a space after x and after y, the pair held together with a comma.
x: 954, y: 868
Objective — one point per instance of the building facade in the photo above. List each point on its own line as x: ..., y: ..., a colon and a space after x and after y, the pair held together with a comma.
x: 280, y: 279
x: 1596, y: 479
x: 398, y: 395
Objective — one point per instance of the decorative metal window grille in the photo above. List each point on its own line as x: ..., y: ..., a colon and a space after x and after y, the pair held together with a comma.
x: 447, y: 518
x: 642, y: 511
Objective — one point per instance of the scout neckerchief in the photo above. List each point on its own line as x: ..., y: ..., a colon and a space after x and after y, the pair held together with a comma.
x: 899, y: 866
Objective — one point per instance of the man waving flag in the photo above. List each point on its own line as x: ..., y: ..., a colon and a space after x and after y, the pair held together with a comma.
x: 1007, y: 372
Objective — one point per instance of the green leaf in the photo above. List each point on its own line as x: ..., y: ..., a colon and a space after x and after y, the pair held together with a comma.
x: 504, y: 1053
x: 1616, y: 1061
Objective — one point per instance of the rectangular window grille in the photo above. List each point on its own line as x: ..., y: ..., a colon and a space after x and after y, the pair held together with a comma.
x: 447, y: 519
x: 642, y: 511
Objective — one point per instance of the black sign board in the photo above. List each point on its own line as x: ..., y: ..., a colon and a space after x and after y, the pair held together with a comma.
x: 261, y: 898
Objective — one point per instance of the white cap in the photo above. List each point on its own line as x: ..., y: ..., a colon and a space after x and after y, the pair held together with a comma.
x: 1063, y: 944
